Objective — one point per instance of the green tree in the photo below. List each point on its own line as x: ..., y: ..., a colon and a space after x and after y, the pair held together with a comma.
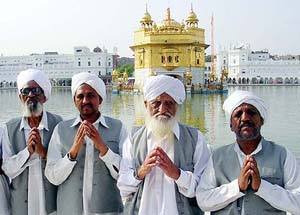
x: 129, y: 68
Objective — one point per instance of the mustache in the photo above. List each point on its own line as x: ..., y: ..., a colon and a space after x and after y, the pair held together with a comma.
x: 246, y: 124
x: 31, y: 100
x: 166, y: 114
x: 87, y: 105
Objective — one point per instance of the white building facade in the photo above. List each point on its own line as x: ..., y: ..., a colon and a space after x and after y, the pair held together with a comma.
x: 59, y: 67
x: 245, y: 66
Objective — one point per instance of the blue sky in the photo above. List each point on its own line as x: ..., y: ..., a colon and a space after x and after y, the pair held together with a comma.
x: 36, y: 26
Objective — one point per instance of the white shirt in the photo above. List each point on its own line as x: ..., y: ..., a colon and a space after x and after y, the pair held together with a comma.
x: 287, y: 198
x: 14, y: 165
x: 59, y: 168
x: 159, y: 191
x: 4, y: 187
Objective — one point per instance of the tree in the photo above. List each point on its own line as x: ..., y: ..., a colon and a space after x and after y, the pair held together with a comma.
x: 129, y: 68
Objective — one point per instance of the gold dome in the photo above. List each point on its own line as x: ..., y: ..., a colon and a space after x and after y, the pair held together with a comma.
x: 188, y: 74
x: 146, y: 17
x: 172, y: 23
x: 169, y: 23
x: 192, y: 17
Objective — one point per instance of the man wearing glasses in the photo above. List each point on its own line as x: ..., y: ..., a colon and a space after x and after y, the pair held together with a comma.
x: 25, y: 147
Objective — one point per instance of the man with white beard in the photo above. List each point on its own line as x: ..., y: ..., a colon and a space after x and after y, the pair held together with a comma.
x: 25, y: 145
x: 163, y: 160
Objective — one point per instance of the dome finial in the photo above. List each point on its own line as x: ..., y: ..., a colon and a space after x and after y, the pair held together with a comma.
x: 192, y: 17
x: 169, y: 16
x: 146, y: 19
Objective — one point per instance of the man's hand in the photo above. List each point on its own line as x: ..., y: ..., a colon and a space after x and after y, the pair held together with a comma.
x: 249, y: 175
x: 167, y: 166
x: 244, y: 175
x: 34, y: 143
x: 255, y: 182
x: 93, y: 134
x: 157, y: 157
x: 78, y: 142
x: 147, y: 165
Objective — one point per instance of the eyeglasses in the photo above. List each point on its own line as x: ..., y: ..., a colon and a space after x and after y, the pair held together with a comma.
x: 35, y: 91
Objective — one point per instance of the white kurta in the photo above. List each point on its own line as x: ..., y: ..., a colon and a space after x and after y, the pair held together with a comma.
x: 159, y: 190
x: 285, y: 198
x: 59, y: 168
x: 4, y: 186
x: 14, y: 165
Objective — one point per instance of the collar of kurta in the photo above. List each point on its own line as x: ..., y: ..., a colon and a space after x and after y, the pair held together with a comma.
x: 101, y: 120
x: 43, y: 123
x: 239, y: 151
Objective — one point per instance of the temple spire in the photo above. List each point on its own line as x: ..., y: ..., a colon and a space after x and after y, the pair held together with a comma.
x: 169, y: 16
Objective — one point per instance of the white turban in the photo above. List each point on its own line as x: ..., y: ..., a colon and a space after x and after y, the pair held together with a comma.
x: 91, y: 79
x: 157, y: 85
x: 239, y: 97
x: 34, y: 75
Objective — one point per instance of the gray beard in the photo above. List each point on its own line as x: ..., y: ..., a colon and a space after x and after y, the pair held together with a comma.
x: 32, y: 109
x: 160, y: 127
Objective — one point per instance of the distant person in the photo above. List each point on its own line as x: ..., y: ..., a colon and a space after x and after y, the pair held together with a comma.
x: 25, y: 147
x: 252, y: 176
x: 4, y: 185
x: 85, y: 152
x: 164, y: 159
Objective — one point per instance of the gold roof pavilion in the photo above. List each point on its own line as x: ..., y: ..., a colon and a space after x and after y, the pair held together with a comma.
x: 170, y: 48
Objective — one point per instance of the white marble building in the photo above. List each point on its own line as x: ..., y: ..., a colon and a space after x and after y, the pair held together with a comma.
x: 59, y: 67
x: 245, y: 66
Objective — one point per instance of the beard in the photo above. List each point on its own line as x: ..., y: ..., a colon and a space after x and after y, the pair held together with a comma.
x: 32, y: 108
x: 247, y: 136
x: 161, y: 126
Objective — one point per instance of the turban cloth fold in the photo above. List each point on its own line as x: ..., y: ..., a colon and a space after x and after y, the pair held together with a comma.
x: 157, y: 85
x: 92, y: 80
x: 34, y: 75
x: 239, y: 97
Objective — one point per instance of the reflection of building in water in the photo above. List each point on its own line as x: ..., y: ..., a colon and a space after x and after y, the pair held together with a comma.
x: 59, y: 67
x: 214, y: 114
x: 192, y: 112
x: 140, y: 110
x: 212, y: 122
x: 169, y: 48
x: 129, y: 109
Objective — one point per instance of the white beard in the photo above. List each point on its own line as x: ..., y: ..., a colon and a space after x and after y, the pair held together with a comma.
x: 160, y: 127
x: 31, y: 109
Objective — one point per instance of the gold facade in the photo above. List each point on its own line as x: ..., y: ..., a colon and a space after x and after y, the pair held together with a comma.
x: 169, y: 46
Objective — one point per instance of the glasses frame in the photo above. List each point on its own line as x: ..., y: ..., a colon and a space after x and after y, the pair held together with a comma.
x: 34, y: 90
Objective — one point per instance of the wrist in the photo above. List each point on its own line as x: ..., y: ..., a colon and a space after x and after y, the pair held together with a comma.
x: 44, y: 155
x: 137, y: 175
x: 176, y: 174
x: 70, y: 157
x: 102, y: 148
